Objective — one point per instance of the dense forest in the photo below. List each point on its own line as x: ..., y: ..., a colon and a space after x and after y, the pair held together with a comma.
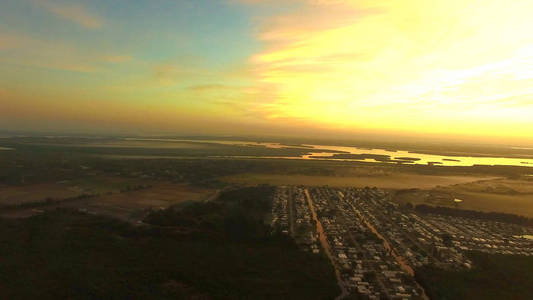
x: 66, y: 254
x: 237, y: 215
x: 494, y: 276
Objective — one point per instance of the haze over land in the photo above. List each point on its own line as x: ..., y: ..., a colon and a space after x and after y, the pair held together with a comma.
x: 455, y: 70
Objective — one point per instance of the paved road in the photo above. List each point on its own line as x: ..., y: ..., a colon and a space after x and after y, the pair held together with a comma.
x: 325, y: 246
x: 398, y: 257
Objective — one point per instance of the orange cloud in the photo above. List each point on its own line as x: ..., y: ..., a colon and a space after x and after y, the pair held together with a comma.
x: 73, y: 12
x: 315, y: 16
x: 15, y: 41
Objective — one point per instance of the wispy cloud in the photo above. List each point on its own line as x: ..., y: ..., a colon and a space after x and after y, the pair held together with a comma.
x: 8, y: 41
x: 73, y: 12
x: 28, y: 51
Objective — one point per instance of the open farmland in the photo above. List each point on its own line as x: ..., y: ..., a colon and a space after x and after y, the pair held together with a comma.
x: 130, y: 203
x: 16, y: 195
x: 11, y: 195
x: 390, y: 181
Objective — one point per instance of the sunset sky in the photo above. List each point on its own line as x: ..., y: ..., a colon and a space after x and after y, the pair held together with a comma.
x: 342, y: 67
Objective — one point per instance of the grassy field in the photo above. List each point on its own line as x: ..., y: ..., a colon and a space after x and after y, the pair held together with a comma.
x: 13, y: 195
x: 500, y: 186
x: 126, y: 204
x: 513, y: 196
x: 390, y: 181
x: 20, y: 194
x: 120, y: 203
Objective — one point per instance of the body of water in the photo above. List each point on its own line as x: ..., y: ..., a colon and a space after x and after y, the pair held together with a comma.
x: 425, y: 159
x: 394, y: 156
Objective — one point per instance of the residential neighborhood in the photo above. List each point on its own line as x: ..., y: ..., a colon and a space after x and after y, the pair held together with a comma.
x: 375, y: 246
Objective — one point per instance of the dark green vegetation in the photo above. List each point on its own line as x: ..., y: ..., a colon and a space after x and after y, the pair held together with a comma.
x: 198, y: 251
x: 408, y: 158
x: 493, y: 276
x: 121, y: 147
x: 37, y: 160
x: 73, y: 167
x: 237, y: 215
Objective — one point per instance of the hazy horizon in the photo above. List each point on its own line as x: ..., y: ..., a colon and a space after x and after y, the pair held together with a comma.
x: 320, y: 137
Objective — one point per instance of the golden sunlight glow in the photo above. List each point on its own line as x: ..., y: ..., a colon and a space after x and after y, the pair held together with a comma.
x: 414, y: 65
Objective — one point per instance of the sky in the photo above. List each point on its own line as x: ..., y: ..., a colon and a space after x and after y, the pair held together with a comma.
x: 441, y: 68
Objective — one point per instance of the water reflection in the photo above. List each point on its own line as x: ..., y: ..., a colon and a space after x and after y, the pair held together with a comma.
x: 342, y: 153
x: 422, y: 159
